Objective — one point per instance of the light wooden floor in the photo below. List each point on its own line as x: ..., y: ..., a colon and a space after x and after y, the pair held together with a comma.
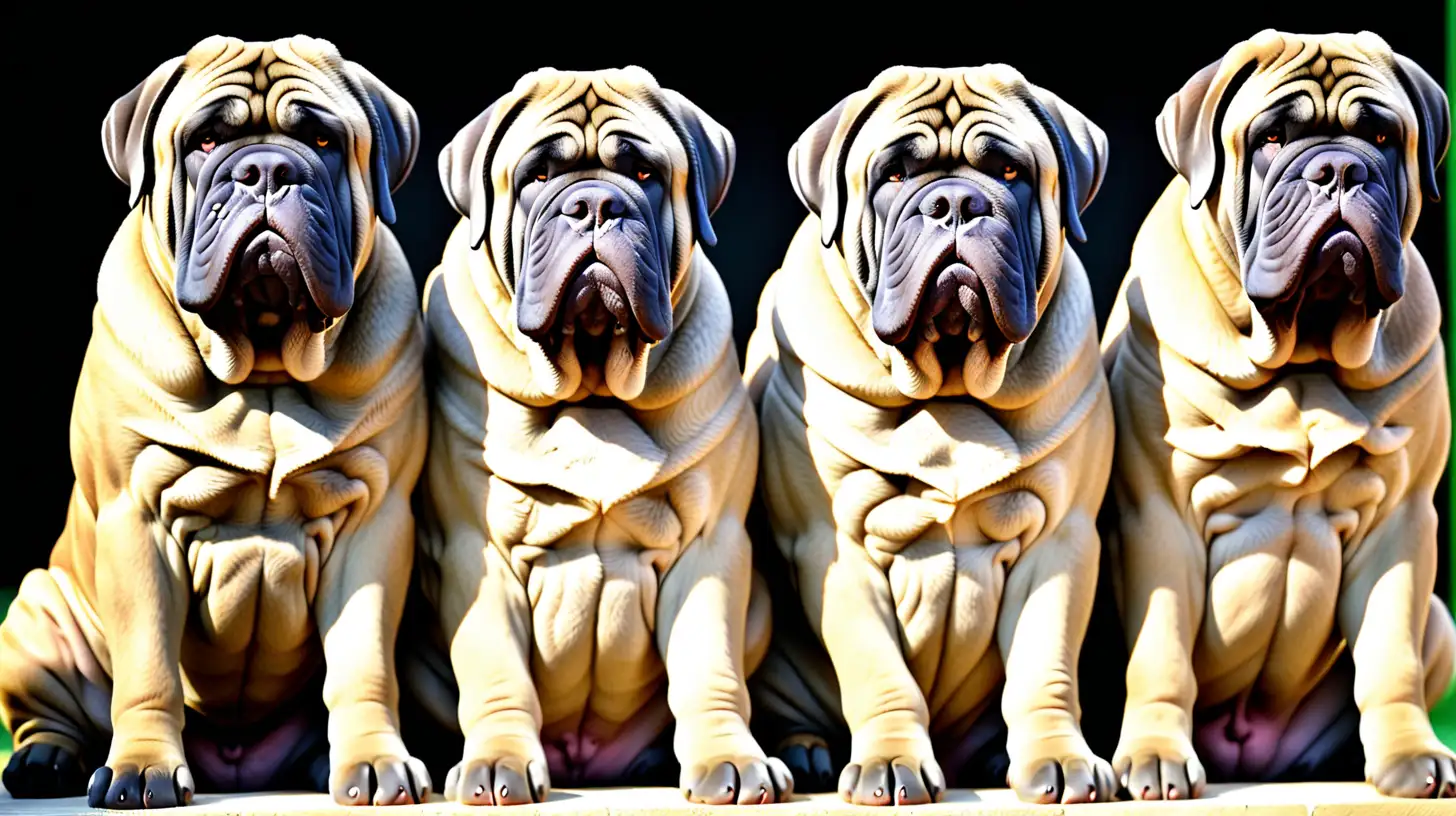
x: 1345, y: 799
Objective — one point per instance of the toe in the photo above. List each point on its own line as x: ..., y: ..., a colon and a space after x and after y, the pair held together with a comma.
x: 821, y: 768
x: 158, y: 788
x: 539, y: 780
x: 909, y: 787
x: 392, y: 783
x: 848, y: 781
x: 874, y: 784
x: 1412, y: 778
x: 475, y: 784
x: 1446, y: 783
x: 1043, y: 786
x: 98, y: 786
x: 1106, y: 782
x: 34, y: 774
x: 352, y: 786
x: 1196, y: 777
x: 1175, y: 779
x: 1079, y: 785
x: 719, y: 786
x: 934, y: 779
x: 184, y: 784
x: 125, y: 792
x: 796, y: 758
x: 783, y: 780
x: 419, y: 779
x: 509, y: 783
x: 755, y: 786
x: 1145, y: 781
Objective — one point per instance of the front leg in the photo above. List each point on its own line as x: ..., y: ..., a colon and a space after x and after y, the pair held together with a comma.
x: 487, y: 618
x: 361, y: 597
x: 702, y: 616
x: 142, y: 596
x: 1042, y: 622
x: 1385, y: 608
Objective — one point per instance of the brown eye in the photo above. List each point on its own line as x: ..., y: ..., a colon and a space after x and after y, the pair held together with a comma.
x: 896, y: 173
x: 1009, y: 172
x: 207, y: 143
x: 321, y: 141
x: 1274, y: 137
x: 643, y: 172
x: 1380, y: 138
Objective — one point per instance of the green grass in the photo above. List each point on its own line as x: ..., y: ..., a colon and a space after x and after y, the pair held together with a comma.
x: 6, y: 596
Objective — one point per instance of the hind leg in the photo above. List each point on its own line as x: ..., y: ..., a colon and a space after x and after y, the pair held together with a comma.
x: 55, y: 695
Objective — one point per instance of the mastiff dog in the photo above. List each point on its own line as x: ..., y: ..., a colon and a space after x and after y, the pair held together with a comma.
x: 244, y: 440
x: 937, y: 438
x: 1281, y: 402
x: 585, y: 571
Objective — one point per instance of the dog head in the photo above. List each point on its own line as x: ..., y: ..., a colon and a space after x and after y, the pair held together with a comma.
x: 948, y: 193
x: 1313, y: 153
x: 263, y: 167
x: 588, y: 192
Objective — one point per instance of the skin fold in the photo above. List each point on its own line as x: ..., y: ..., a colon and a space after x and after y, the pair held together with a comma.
x: 239, y: 538
x: 936, y: 442
x: 1282, y: 421
x: 585, y: 583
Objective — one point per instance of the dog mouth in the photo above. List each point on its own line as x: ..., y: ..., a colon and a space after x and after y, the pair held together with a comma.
x: 264, y: 293
x: 1337, y: 276
x: 954, y: 313
x: 592, y: 313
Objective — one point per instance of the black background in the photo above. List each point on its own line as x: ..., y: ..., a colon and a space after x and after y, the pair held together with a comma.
x: 765, y: 80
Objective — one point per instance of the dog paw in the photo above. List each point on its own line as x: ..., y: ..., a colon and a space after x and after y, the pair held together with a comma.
x: 900, y: 780
x: 1068, y: 780
x: 41, y: 770
x: 127, y: 785
x: 1165, y: 772
x: 501, y: 781
x: 744, y: 780
x: 385, y: 780
x: 1421, y: 776
x: 807, y: 758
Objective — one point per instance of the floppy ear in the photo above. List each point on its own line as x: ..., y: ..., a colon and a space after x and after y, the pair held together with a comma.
x: 396, y: 140
x: 465, y: 161
x: 711, y: 157
x: 126, y: 133
x: 817, y: 160
x: 1433, y: 112
x: 1081, y: 149
x: 1188, y: 127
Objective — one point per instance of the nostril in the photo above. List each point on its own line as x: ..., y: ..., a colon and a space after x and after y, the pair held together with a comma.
x: 968, y: 209
x: 249, y: 175
x: 282, y: 174
x: 939, y: 208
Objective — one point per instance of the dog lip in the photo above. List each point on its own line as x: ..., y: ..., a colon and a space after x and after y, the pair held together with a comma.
x: 1338, y: 248
x: 893, y: 329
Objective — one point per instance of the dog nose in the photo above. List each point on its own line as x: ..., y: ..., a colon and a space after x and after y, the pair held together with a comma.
x: 264, y: 171
x: 599, y: 202
x: 1336, y: 169
x: 955, y: 198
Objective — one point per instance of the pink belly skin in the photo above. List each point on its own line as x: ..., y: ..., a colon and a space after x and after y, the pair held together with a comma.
x: 222, y: 762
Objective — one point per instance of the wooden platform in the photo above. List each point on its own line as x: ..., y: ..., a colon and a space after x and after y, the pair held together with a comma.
x: 1250, y: 800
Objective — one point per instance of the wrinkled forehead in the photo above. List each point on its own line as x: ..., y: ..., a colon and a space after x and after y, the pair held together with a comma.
x: 260, y: 86
x: 1329, y: 82
x: 595, y: 118
x: 950, y: 117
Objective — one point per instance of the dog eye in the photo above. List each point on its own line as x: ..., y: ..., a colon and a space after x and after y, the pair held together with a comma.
x: 643, y: 172
x: 1380, y: 138
x: 321, y: 140
x: 1273, y: 137
x: 895, y: 173
x: 1010, y: 172
x: 206, y: 142
x: 536, y: 174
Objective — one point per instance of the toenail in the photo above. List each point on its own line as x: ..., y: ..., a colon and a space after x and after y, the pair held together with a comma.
x: 504, y: 791
x: 353, y: 791
x: 121, y: 797
x: 903, y: 793
x: 401, y: 789
x: 149, y: 796
x: 1051, y: 789
x: 479, y: 790
x: 879, y: 792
